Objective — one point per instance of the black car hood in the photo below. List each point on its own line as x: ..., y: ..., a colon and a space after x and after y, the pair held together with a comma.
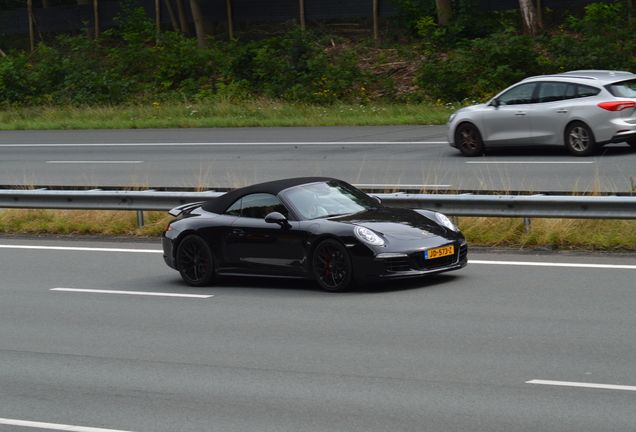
x: 403, y: 224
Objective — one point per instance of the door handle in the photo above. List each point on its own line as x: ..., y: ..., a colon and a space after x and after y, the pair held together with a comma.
x: 520, y: 113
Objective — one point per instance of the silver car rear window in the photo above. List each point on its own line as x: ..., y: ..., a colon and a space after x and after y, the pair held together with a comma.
x: 623, y: 89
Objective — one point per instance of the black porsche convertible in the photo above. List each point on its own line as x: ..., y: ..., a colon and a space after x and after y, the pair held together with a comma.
x: 313, y: 228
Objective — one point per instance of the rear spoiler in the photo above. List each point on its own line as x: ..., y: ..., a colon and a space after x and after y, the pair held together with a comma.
x: 177, y: 211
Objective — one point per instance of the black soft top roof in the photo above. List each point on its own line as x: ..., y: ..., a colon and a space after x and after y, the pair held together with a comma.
x: 220, y: 204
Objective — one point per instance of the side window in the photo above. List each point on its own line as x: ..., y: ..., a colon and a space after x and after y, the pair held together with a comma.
x: 585, y: 91
x: 570, y: 92
x: 260, y: 205
x: 623, y: 89
x: 522, y: 94
x: 552, y: 91
x: 234, y: 209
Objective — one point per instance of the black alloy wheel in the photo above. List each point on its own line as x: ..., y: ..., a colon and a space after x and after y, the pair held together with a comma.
x: 195, y: 262
x: 331, y: 266
x: 468, y: 140
x: 579, y: 139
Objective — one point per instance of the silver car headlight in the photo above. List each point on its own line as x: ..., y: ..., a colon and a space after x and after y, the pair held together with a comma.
x: 367, y: 236
x: 451, y: 117
x: 444, y: 220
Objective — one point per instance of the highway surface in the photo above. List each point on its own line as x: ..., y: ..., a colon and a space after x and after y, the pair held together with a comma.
x: 231, y: 157
x: 98, y: 335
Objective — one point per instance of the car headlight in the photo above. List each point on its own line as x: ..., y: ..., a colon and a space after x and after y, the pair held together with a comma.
x: 444, y: 220
x: 451, y: 117
x: 368, y: 236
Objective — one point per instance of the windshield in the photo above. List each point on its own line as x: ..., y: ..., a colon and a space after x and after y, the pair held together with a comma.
x: 326, y: 199
x: 623, y: 89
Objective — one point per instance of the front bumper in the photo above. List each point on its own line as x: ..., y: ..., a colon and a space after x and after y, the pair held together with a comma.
x: 408, y: 265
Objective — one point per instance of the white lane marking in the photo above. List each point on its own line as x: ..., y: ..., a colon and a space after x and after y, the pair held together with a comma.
x: 93, y: 162
x: 549, y: 264
x: 54, y: 426
x: 140, y: 293
x: 582, y: 384
x: 83, y: 249
x: 296, y: 143
x: 529, y: 162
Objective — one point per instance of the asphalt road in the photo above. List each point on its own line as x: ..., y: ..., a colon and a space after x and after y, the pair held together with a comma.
x: 233, y: 157
x: 514, y: 342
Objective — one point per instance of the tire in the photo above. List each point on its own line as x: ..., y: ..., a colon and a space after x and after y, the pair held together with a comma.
x: 331, y: 266
x: 579, y: 139
x: 468, y: 140
x: 195, y: 262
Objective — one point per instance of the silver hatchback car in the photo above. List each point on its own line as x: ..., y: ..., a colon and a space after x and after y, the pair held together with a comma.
x: 582, y: 110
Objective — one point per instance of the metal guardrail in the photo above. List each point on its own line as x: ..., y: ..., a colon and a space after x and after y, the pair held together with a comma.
x: 520, y: 206
x: 510, y: 206
x: 98, y: 199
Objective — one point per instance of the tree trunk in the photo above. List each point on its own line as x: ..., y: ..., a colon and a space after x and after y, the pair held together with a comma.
x: 302, y: 15
x: 444, y: 10
x: 183, y: 18
x: 96, y: 11
x: 230, y: 21
x: 376, y: 18
x: 31, y: 21
x: 199, y: 24
x: 173, y: 16
x: 158, y: 15
x: 529, y: 16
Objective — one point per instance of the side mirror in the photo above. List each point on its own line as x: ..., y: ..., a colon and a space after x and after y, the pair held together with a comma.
x: 494, y: 103
x: 277, y: 218
x: 377, y: 198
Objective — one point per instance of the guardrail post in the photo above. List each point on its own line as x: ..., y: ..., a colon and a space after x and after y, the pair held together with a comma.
x: 140, y: 218
x: 527, y: 223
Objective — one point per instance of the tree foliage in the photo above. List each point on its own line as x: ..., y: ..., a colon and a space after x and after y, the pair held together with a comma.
x: 472, y: 57
x: 136, y: 63
x: 477, y: 68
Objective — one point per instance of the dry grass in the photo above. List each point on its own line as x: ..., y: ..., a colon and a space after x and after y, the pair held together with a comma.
x: 579, y: 234
x: 82, y: 222
x: 568, y: 234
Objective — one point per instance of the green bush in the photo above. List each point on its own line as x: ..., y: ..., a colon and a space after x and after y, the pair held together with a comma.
x: 291, y: 67
x: 602, y: 39
x: 76, y: 71
x: 15, y: 79
x: 479, y: 68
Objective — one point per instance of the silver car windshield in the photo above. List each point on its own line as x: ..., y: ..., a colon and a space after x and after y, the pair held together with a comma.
x: 326, y: 199
x: 623, y: 89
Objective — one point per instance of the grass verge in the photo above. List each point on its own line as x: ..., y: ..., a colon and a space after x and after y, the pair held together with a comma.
x: 260, y: 113
x: 558, y: 234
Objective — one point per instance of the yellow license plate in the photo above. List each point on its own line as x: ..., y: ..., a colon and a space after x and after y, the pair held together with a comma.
x: 439, y: 252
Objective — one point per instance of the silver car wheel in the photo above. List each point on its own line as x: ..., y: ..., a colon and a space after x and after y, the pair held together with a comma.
x: 579, y: 140
x: 468, y: 140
